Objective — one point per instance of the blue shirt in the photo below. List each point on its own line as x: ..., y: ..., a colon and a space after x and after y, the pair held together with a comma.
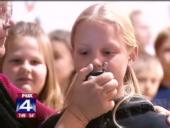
x: 163, y: 97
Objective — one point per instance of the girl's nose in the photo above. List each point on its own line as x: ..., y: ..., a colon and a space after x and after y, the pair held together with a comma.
x: 26, y: 68
x: 98, y: 64
x: 148, y: 85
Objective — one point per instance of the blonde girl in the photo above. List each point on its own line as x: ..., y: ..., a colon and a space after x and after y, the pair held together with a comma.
x: 28, y: 63
x: 103, y: 39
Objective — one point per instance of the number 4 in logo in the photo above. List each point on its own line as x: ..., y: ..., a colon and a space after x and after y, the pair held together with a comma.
x: 26, y: 106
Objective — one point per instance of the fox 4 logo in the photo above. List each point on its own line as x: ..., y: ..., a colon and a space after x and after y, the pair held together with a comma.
x: 25, y: 106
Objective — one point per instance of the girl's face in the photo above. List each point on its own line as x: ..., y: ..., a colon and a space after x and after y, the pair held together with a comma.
x: 97, y: 43
x: 149, y: 80
x: 63, y: 61
x: 164, y: 54
x: 25, y: 66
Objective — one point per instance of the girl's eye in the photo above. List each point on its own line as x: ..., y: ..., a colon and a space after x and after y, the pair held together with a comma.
x: 83, y: 52
x: 35, y: 62
x: 16, y: 61
x: 142, y: 80
x: 106, y: 53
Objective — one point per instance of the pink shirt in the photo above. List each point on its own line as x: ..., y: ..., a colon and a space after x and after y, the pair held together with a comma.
x: 42, y: 111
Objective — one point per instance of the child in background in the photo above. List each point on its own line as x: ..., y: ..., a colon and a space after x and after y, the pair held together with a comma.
x: 162, y: 50
x: 64, y: 66
x: 28, y: 63
x: 142, y: 30
x: 103, y: 39
x: 8, y: 91
x: 149, y: 73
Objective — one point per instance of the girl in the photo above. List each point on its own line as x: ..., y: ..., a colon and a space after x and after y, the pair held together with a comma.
x: 162, y: 49
x: 103, y: 39
x: 60, y: 40
x: 29, y: 63
x: 149, y: 73
x: 8, y: 91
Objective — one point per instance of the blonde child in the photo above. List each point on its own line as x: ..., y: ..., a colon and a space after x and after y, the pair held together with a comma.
x: 60, y: 40
x: 103, y: 39
x: 29, y: 65
x: 142, y: 30
x: 9, y: 92
x: 149, y: 73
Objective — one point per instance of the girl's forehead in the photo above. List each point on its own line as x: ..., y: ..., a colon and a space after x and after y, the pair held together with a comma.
x: 104, y: 39
x: 96, y: 27
x: 24, y: 42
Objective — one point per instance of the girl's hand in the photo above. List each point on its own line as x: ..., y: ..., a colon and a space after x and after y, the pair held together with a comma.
x: 90, y: 99
x: 163, y: 111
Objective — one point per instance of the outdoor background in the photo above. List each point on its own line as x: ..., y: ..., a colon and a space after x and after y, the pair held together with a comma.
x: 61, y: 15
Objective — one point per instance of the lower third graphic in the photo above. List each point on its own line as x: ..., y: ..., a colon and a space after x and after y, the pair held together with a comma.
x: 26, y: 105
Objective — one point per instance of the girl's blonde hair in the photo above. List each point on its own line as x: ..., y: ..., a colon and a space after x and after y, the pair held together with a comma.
x: 111, y: 14
x: 120, y: 20
x: 50, y: 94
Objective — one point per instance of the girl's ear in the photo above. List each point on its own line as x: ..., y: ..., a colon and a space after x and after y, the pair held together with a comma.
x: 133, y: 54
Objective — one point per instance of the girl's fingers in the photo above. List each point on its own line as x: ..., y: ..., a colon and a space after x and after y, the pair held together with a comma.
x: 110, y: 105
x: 77, y: 81
x: 82, y: 74
x: 110, y: 86
x: 104, y: 78
x: 110, y: 96
x: 161, y: 110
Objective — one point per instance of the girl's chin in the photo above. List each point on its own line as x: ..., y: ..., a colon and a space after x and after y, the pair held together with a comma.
x: 26, y: 88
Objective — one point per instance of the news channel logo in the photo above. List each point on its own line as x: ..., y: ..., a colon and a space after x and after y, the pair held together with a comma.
x: 26, y: 105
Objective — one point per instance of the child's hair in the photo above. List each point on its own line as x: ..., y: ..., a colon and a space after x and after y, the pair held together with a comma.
x: 50, y: 95
x: 125, y: 32
x: 161, y: 38
x: 61, y: 35
x: 106, y: 13
x: 134, y: 13
x: 149, y: 63
x: 145, y: 62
